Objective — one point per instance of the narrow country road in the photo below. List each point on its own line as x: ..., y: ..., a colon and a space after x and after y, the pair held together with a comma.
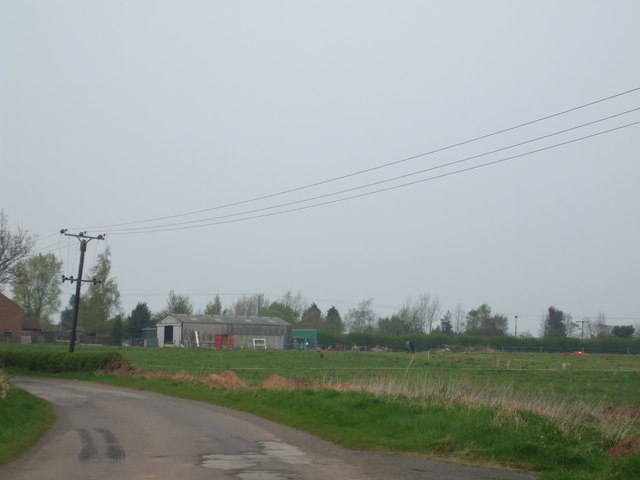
x: 105, y: 432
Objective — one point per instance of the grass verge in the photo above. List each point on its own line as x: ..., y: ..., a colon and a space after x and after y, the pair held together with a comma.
x: 23, y: 420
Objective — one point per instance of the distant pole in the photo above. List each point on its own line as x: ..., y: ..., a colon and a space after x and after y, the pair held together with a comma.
x: 516, y: 334
x: 84, y: 239
x: 260, y: 295
x: 582, y: 322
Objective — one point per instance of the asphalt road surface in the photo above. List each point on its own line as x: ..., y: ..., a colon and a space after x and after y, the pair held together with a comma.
x: 104, y: 432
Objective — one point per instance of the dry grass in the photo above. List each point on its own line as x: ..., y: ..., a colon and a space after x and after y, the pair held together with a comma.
x: 570, y: 416
x: 4, y: 385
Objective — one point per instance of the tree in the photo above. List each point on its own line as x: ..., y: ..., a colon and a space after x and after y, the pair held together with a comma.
x: 600, y: 327
x: 296, y: 302
x: 495, y: 325
x: 248, y: 305
x: 36, y: 287
x: 140, y: 318
x: 14, y: 247
x: 476, y: 318
x: 176, y: 304
x: 312, y: 317
x: 362, y: 318
x: 481, y: 322
x: 446, y: 326
x: 394, y: 325
x: 214, y: 308
x: 428, y: 309
x: 117, y: 330
x: 554, y: 323
x: 102, y: 300
x: 459, y: 316
x: 412, y: 316
x: 333, y: 321
x: 66, y: 316
x: 277, y: 309
x: 623, y: 331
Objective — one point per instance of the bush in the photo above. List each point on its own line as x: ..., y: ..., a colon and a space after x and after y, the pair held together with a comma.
x: 59, y: 362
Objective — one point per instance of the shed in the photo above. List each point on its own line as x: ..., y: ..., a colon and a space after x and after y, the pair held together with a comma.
x: 223, y: 331
x: 304, y: 338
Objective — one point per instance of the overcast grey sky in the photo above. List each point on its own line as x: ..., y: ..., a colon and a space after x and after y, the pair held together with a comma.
x: 122, y: 111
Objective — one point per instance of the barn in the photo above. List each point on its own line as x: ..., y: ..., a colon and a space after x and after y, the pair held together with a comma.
x: 223, y: 331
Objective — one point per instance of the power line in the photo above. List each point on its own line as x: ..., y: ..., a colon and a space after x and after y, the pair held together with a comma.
x: 166, y: 228
x: 326, y: 195
x: 371, y: 169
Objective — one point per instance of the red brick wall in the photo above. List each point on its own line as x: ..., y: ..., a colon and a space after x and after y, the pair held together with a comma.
x: 10, y: 319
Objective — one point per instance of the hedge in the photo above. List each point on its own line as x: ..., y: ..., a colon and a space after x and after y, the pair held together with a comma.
x: 59, y: 362
x: 437, y: 340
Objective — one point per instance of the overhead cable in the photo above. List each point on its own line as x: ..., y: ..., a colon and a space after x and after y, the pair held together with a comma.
x: 371, y: 169
x: 395, y: 187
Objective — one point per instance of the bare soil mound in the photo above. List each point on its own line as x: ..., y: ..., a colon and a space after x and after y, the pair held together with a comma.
x: 276, y: 382
x: 626, y: 447
x: 120, y: 368
x: 226, y: 379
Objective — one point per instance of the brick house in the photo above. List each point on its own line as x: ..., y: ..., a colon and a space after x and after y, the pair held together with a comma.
x: 10, y: 320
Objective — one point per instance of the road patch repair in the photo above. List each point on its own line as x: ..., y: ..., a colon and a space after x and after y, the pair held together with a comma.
x: 245, y: 462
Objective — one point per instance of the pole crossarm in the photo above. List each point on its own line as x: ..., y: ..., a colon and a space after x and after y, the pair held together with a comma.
x: 71, y: 279
x: 81, y: 235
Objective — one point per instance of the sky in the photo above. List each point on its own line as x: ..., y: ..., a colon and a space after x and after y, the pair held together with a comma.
x: 478, y: 152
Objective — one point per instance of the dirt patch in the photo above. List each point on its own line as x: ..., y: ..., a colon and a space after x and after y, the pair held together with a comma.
x: 631, y: 412
x: 626, y: 447
x: 226, y: 379
x: 276, y: 382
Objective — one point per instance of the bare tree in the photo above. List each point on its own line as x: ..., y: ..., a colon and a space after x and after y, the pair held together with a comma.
x: 459, y: 319
x: 296, y: 302
x: 362, y: 318
x: 248, y: 305
x: 429, y: 310
x: 600, y: 326
x: 412, y: 316
x: 14, y: 247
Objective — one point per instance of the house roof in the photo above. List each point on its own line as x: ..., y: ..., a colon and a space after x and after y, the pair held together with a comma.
x: 7, y: 301
x: 224, y: 319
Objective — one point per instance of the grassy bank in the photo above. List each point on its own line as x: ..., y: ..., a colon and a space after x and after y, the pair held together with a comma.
x: 23, y: 420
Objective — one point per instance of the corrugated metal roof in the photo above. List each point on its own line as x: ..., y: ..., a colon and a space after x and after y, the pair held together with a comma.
x: 224, y: 319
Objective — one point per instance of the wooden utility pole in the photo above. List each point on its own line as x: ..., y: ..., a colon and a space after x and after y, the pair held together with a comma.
x: 84, y: 239
x: 582, y: 322
x: 259, y: 295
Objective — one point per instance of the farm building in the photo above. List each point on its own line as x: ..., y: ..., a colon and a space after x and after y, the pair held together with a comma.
x: 304, y: 338
x: 221, y: 331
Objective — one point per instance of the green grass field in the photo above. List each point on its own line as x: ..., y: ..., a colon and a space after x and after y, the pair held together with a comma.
x: 534, y: 411
x: 608, y: 379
